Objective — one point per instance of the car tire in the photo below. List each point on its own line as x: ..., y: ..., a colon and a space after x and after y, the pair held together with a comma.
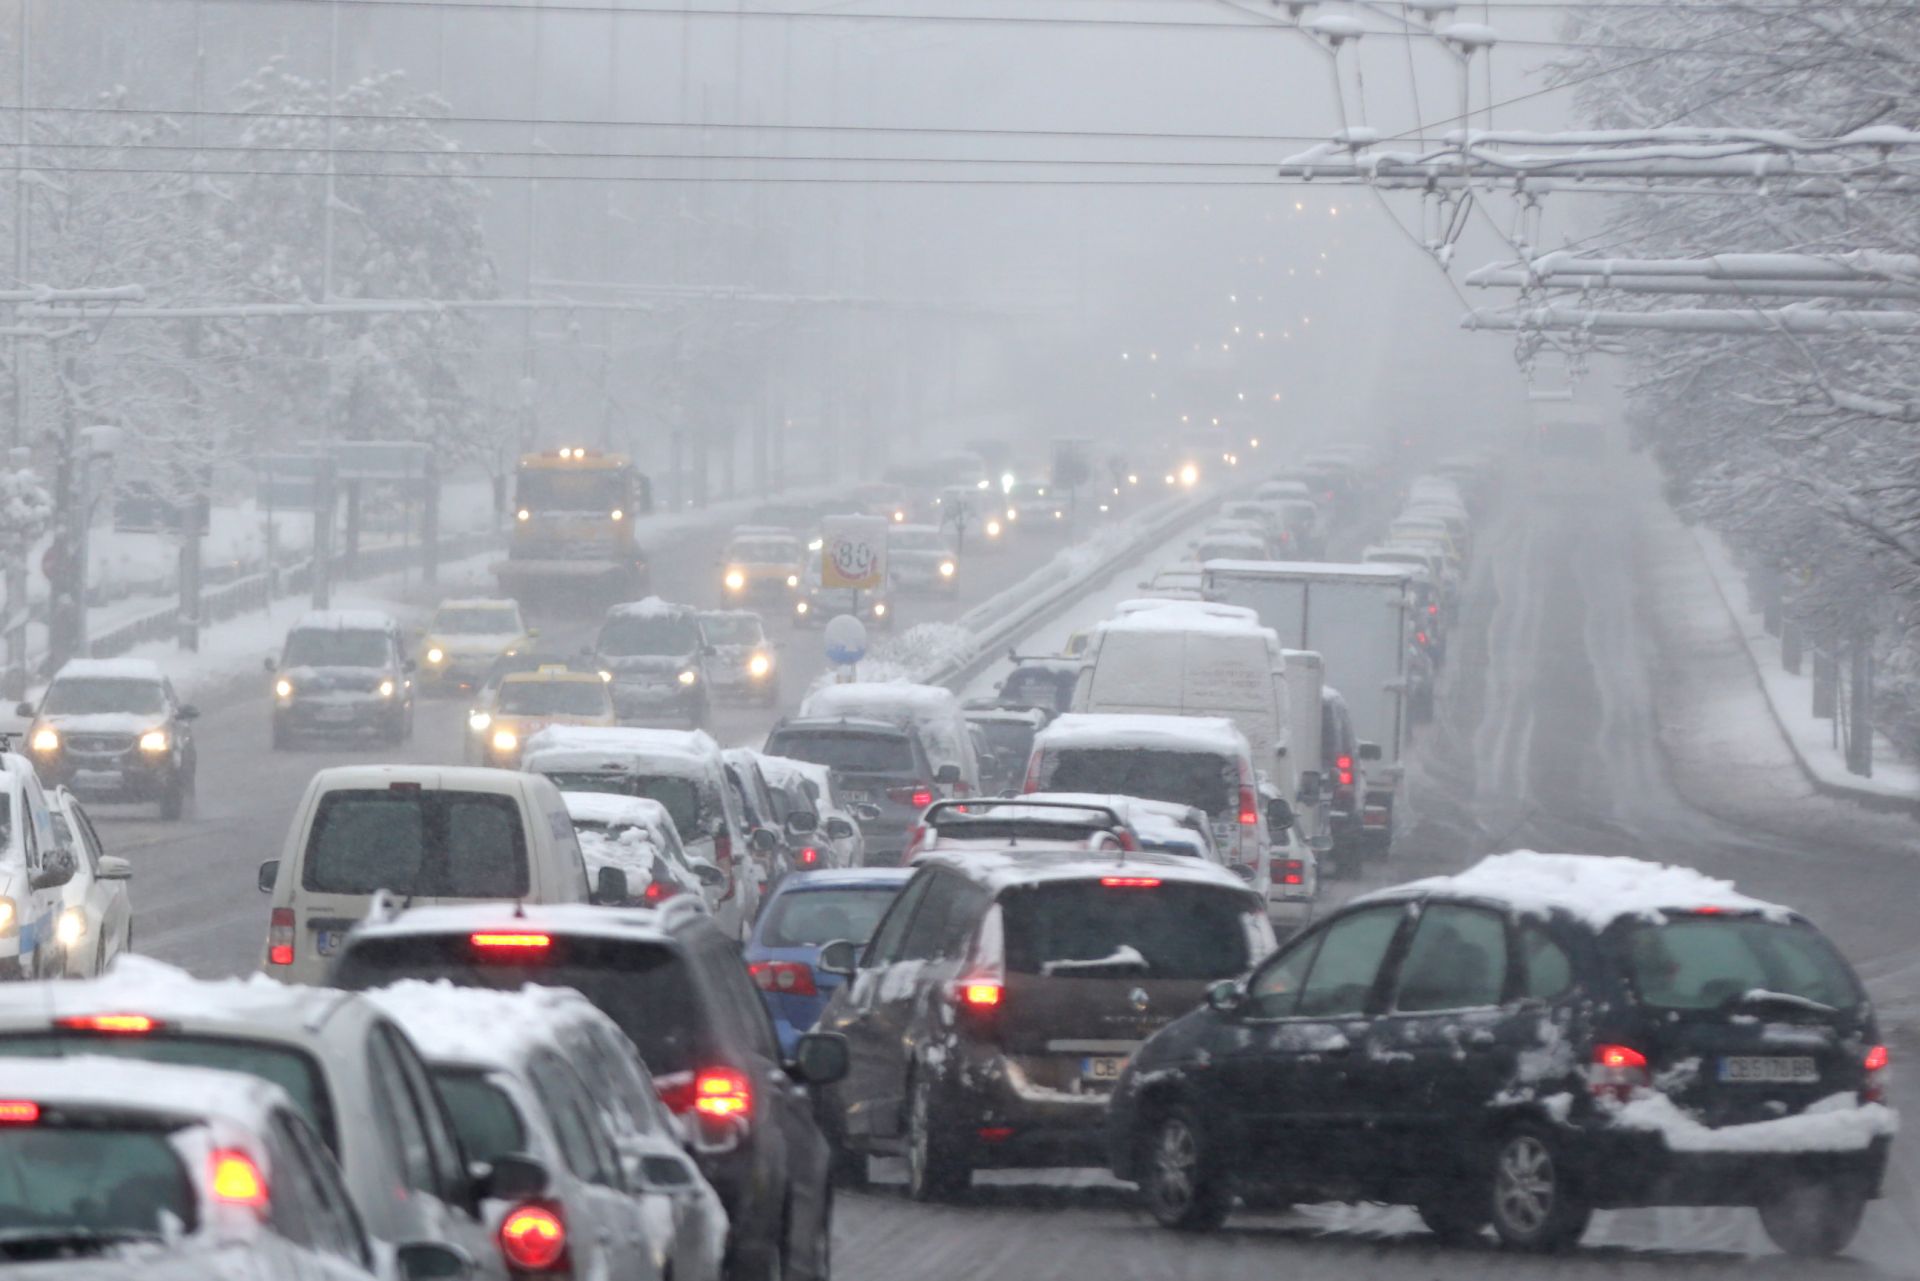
x: 1180, y: 1180
x: 937, y: 1167
x: 1533, y: 1201
x: 1813, y: 1220
x: 1451, y: 1220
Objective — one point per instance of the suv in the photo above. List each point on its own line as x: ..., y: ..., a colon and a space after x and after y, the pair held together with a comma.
x: 112, y: 729
x: 1538, y: 1037
x: 342, y: 672
x: 676, y: 987
x: 1002, y: 994
x: 656, y: 656
x: 873, y: 763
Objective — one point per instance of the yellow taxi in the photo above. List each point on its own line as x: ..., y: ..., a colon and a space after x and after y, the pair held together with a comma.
x: 528, y: 702
x: 464, y: 639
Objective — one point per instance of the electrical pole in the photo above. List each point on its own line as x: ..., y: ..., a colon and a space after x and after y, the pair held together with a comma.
x: 323, y: 486
x: 16, y: 562
x: 190, y: 532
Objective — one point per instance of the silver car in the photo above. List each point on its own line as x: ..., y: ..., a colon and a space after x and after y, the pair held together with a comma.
x: 95, y: 924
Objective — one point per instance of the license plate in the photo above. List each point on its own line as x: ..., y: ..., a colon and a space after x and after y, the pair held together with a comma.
x: 1769, y: 1069
x: 1102, y: 1069
x: 327, y: 942
x: 856, y: 798
x: 334, y: 715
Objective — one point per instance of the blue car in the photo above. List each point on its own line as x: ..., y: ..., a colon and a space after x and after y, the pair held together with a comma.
x: 805, y: 914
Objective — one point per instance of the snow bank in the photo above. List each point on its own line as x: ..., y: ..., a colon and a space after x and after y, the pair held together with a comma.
x: 1593, y: 888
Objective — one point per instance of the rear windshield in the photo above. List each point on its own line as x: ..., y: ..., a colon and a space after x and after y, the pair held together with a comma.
x: 82, y: 695
x: 765, y: 551
x: 808, y: 918
x: 484, y: 1118
x: 1010, y: 741
x: 642, y: 986
x: 680, y: 796
x: 476, y: 621
x: 1039, y: 689
x: 1199, y: 779
x: 290, y: 1069
x: 336, y: 647
x: 90, y: 1178
x: 733, y: 629
x: 650, y: 636
x: 846, y: 753
x: 434, y: 843
x: 554, y: 698
x: 1717, y: 962
x: 1086, y: 929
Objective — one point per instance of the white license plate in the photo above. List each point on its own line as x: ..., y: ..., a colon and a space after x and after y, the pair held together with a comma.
x: 856, y: 798
x: 327, y: 942
x: 334, y: 715
x: 1102, y: 1069
x: 1769, y: 1069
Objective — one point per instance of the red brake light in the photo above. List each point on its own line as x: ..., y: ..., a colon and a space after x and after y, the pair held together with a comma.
x: 1874, y: 1089
x: 1706, y: 911
x: 656, y: 892
x: 809, y: 856
x: 1249, y: 808
x: 512, y: 940
x: 923, y: 797
x: 19, y: 1112
x: 1421, y: 637
x: 722, y: 1092
x: 120, y: 1024
x: 280, y: 927
x: 533, y: 1237
x: 1877, y: 1058
x: 1293, y: 872
x: 1432, y: 610
x: 1618, y: 1056
x: 792, y: 978
x: 980, y: 996
x: 1344, y: 764
x: 995, y: 1133
x: 1130, y: 882
x: 237, y: 1180
x: 1617, y: 1071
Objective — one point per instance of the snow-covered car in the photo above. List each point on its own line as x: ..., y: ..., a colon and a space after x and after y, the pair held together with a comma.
x: 919, y: 559
x: 96, y: 913
x: 342, y: 672
x: 658, y: 662
x: 932, y: 710
x: 960, y: 827
x: 35, y: 869
x: 1007, y: 735
x: 836, y: 835
x: 178, y: 1173
x: 542, y: 1073
x: 743, y: 664
x: 637, y: 835
x: 348, y: 1069
x: 463, y: 639
x: 113, y: 729
x: 1167, y: 827
x: 1538, y: 1037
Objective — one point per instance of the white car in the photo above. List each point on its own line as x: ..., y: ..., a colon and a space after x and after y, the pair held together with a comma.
x: 171, y: 1173
x: 547, y: 1064
x: 35, y: 869
x: 838, y: 828
x: 637, y: 835
x: 96, y: 914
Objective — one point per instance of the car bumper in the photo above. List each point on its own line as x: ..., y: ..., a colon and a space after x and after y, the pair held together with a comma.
x: 1631, y: 1168
x: 654, y: 702
x: 336, y: 716
x: 1003, y: 1119
x: 95, y: 778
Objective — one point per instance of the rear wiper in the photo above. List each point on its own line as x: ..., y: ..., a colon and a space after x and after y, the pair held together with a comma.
x: 1760, y: 996
x: 48, y: 1241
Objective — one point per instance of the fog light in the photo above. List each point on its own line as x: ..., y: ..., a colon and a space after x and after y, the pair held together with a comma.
x: 879, y: 609
x: 283, y: 688
x: 946, y: 568
x: 436, y: 655
x: 801, y: 607
x: 523, y: 515
x: 479, y: 721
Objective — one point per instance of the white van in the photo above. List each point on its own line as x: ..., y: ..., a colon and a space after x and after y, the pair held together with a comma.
x: 429, y: 834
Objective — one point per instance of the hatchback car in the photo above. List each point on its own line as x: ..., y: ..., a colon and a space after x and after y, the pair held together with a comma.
x: 113, y: 729
x: 1516, y: 1046
x: 1002, y: 995
x: 874, y: 763
x: 675, y: 985
x: 804, y: 915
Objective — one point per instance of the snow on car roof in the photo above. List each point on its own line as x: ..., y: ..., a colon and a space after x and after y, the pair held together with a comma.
x: 1597, y: 889
x: 123, y: 669
x: 1088, y: 730
x: 142, y: 985
x: 479, y: 602
x: 239, y: 1098
x: 782, y: 770
x: 577, y: 919
x: 605, y: 807
x: 866, y: 696
x: 454, y: 1024
x: 651, y: 607
x: 1160, y: 614
x: 344, y: 620
x: 628, y: 741
x: 1304, y: 568
x: 1129, y: 807
x: 1005, y: 869
x: 847, y: 878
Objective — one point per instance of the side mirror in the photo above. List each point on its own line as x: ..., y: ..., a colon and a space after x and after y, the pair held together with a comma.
x: 1226, y: 996
x: 947, y: 775
x: 763, y: 841
x: 271, y: 665
x: 513, y: 1177
x: 113, y: 868
x: 842, y: 957
x: 268, y: 874
x: 707, y: 874
x: 838, y: 829
x: 24, y: 709
x: 803, y: 823
x: 187, y: 712
x: 610, y: 887
x: 431, y: 1261
x: 821, y: 1058
x: 1369, y: 751
x: 1279, y: 814
x: 57, y: 871
x: 662, y: 1172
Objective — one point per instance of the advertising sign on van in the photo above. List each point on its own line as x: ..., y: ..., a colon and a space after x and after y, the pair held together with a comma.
x: 853, y: 552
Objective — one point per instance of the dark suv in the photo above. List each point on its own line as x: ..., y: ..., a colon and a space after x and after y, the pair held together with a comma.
x: 112, y: 729
x: 1002, y: 994
x: 342, y: 672
x: 676, y: 986
x: 1517, y: 1046
x: 876, y: 763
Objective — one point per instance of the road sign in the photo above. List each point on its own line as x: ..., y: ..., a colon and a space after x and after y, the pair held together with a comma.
x: 138, y: 509
x: 380, y: 459
x: 853, y: 552
x: 846, y: 639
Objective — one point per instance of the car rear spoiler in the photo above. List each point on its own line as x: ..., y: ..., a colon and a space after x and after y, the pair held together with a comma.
x: 977, y: 807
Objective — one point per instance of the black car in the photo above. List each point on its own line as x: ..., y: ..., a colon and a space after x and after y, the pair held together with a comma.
x: 342, y: 672
x: 657, y: 656
x: 1043, y: 682
x: 875, y: 763
x: 677, y: 987
x: 1517, y: 1046
x: 1002, y: 993
x: 113, y: 729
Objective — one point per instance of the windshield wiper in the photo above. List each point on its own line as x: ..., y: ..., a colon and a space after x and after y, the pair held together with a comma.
x: 18, y: 1242
x: 1761, y: 996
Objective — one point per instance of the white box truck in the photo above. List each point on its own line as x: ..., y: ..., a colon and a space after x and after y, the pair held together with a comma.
x: 1359, y: 619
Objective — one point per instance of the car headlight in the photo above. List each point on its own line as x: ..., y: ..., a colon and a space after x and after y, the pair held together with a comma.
x: 993, y: 529
x: 946, y: 568
x: 689, y: 676
x: 899, y: 517
x: 46, y: 740
x: 618, y: 514
x: 735, y: 580
x: 283, y: 688
x: 7, y: 916
x: 1189, y: 475
x: 478, y: 721
x: 759, y: 665
x: 793, y: 580
x: 386, y: 689
x: 436, y: 655
x: 154, y: 740
x: 71, y: 928
x: 505, y: 740
x: 1012, y: 514
x: 523, y: 515
x: 801, y: 607
x: 606, y: 676
x: 879, y: 609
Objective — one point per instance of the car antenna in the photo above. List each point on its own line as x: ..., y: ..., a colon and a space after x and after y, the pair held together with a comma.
x: 519, y: 910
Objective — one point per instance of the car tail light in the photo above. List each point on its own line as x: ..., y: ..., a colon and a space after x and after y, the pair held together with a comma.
x: 791, y: 978
x: 280, y: 926
x: 1617, y: 1071
x: 995, y: 1133
x: 1249, y: 807
x: 980, y: 994
x: 533, y: 1237
x: 1421, y: 637
x: 119, y: 1024
x: 237, y: 1180
x: 1293, y: 871
x: 19, y: 1112
x: 1876, y: 1063
x: 1345, y: 765
x: 1130, y: 882
x: 1032, y: 783
x: 809, y: 856
x: 1433, y: 610
x: 723, y: 859
x: 516, y: 942
x: 918, y: 795
x: 721, y: 1093
x: 659, y: 892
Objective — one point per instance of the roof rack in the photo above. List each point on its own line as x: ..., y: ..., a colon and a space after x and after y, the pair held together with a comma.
x: 968, y: 808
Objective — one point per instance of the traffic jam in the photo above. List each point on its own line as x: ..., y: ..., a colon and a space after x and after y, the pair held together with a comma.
x: 578, y: 990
